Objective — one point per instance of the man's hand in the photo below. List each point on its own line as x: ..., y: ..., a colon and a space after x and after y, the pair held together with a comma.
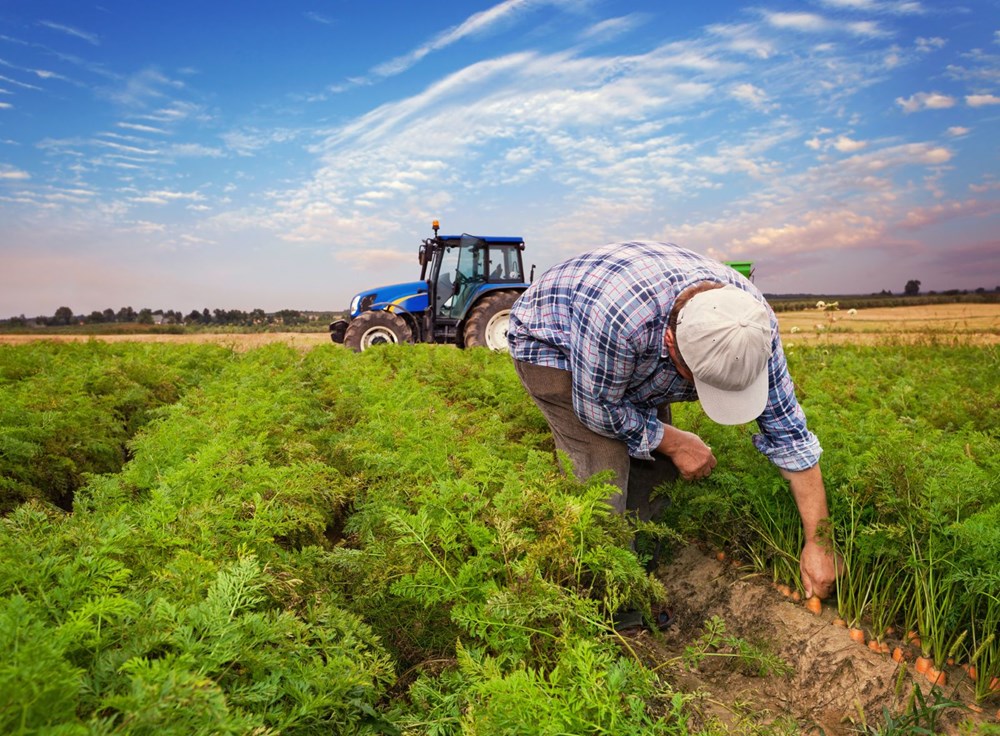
x: 818, y: 571
x: 693, y: 458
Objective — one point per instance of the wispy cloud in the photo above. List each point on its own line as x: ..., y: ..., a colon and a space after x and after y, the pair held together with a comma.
x: 814, y: 23
x: 90, y: 38
x: 142, y: 128
x: 925, y: 101
x: 612, y: 28
x: 319, y: 18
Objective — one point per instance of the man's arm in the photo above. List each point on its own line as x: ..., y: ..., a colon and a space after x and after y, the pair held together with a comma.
x: 817, y: 560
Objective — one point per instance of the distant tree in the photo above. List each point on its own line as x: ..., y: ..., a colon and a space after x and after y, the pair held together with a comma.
x: 981, y: 290
x: 95, y: 317
x: 194, y: 316
x: 912, y: 288
x: 20, y: 321
x: 206, y: 316
x: 109, y: 315
x: 289, y: 316
x: 126, y: 314
x: 63, y: 316
x: 145, y: 316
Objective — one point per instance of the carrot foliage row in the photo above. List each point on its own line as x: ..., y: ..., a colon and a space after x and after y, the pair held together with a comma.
x: 200, y: 541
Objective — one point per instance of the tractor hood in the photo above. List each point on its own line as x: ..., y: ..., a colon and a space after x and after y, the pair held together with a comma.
x: 410, y: 296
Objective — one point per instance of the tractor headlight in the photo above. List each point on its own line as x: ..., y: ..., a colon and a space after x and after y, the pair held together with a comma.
x: 354, y: 304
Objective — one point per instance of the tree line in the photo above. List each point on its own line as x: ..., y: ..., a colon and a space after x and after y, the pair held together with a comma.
x: 65, y: 316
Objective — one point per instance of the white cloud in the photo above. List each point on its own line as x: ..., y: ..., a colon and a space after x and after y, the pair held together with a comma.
x: 814, y: 23
x: 926, y: 45
x: 809, y: 22
x: 195, y: 150
x: 5, y: 106
x: 981, y: 100
x: 847, y: 145
x: 957, y: 131
x: 925, y: 101
x: 753, y: 96
x: 9, y: 173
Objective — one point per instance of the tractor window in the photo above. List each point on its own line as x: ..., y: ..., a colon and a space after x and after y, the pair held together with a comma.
x: 463, y: 270
x: 505, y: 265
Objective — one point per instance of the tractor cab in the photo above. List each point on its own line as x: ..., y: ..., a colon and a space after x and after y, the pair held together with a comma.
x: 460, y: 271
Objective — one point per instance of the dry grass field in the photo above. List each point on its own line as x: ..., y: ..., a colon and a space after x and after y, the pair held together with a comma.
x: 972, y: 324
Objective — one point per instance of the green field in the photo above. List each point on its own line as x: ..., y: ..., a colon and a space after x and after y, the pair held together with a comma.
x: 196, y: 539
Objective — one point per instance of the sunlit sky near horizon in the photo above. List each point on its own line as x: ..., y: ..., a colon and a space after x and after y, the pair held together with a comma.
x: 286, y: 155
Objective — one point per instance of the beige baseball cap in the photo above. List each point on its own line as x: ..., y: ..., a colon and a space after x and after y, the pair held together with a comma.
x: 724, y: 336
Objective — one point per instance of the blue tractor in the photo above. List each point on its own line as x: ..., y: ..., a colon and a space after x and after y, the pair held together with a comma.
x: 466, y: 289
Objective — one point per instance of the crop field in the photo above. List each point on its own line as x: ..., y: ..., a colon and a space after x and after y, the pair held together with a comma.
x: 237, y: 538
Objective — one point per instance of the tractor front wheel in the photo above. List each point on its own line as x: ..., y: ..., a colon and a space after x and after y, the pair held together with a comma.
x: 376, y: 328
x: 487, y: 324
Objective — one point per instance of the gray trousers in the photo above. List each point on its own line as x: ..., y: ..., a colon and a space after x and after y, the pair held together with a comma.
x: 589, y: 452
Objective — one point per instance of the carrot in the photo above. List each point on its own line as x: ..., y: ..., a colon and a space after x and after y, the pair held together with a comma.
x: 720, y: 556
x: 995, y: 685
x: 883, y: 648
x: 935, y: 676
x: 840, y: 622
x: 922, y: 664
x: 796, y: 596
x: 815, y: 605
x: 784, y: 590
x: 970, y: 669
x: 857, y: 634
x: 897, y: 655
x: 874, y: 646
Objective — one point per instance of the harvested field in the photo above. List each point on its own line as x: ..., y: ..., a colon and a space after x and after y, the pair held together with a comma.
x: 967, y: 324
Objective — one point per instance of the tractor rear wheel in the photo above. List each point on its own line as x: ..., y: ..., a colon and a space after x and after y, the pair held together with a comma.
x: 376, y: 328
x: 487, y: 324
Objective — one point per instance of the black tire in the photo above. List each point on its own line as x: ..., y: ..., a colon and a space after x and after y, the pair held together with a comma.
x: 486, y: 326
x: 376, y: 328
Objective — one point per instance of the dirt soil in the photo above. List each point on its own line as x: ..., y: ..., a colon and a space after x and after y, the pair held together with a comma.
x: 836, y: 684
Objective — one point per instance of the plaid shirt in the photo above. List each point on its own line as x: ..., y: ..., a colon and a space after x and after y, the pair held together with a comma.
x: 603, y: 317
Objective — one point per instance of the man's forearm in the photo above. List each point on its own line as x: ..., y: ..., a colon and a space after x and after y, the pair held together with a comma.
x: 810, y: 498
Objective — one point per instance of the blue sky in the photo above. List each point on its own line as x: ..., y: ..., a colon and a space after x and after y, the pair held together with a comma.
x: 285, y: 155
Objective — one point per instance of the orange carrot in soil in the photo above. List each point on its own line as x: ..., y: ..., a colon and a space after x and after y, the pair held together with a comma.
x: 840, y: 622
x: 883, y: 648
x: 897, y: 655
x: 815, y: 605
x: 857, y: 634
x: 784, y: 590
x: 922, y: 664
x: 720, y: 556
x: 935, y: 676
x: 970, y: 669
